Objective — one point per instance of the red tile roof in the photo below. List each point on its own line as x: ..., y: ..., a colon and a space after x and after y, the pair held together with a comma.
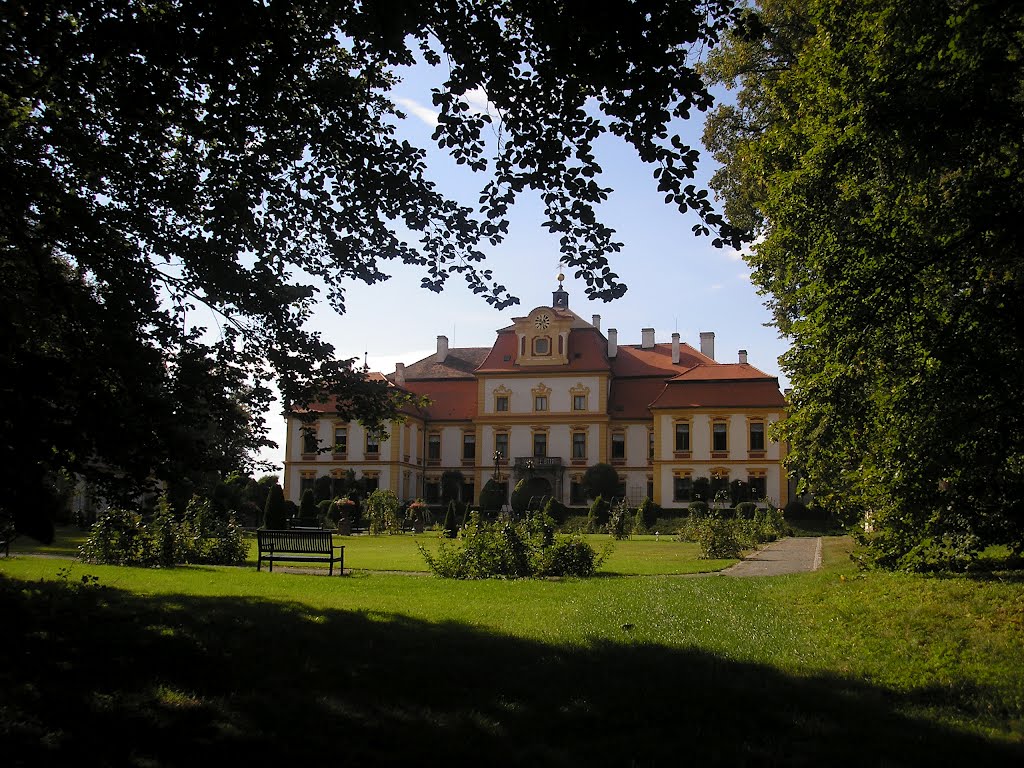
x: 630, y: 398
x: 632, y: 360
x: 449, y: 400
x: 587, y: 351
x: 737, y: 393
x: 722, y: 372
x: 459, y: 364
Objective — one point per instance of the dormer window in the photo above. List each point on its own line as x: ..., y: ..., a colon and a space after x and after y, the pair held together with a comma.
x: 542, y: 345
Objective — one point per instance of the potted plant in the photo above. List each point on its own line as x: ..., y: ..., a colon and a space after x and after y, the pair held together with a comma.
x: 341, y: 513
x: 416, y: 513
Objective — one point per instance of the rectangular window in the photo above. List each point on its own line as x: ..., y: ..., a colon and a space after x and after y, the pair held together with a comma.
x: 758, y: 487
x: 540, y: 403
x: 579, y: 445
x: 720, y: 487
x: 434, y: 447
x: 307, y: 483
x: 371, y: 483
x: 540, y: 444
x: 682, y: 437
x: 501, y: 403
x: 501, y: 444
x: 432, y: 491
x: 576, y: 494
x: 372, y: 443
x: 309, y: 441
x: 757, y: 436
x: 469, y: 446
x: 650, y: 445
x: 682, y: 488
x: 579, y: 402
x: 618, y: 446
x: 340, y: 440
x: 720, y: 436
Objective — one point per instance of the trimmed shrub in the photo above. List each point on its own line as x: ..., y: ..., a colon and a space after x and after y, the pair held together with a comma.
x: 453, y: 519
x: 797, y: 510
x: 492, y: 496
x: 307, y: 508
x: 638, y: 526
x: 601, y: 480
x: 511, y: 550
x: 649, y: 512
x: 275, y: 516
x: 520, y: 498
x: 746, y: 510
x: 699, y: 509
x: 597, y: 515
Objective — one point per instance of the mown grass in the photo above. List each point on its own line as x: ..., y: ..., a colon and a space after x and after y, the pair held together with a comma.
x: 641, y: 555
x: 836, y: 667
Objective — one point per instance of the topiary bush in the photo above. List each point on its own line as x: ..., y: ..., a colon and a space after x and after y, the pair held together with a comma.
x: 596, y: 515
x: 307, y: 507
x: 746, y: 510
x: 520, y: 498
x: 492, y: 497
x: 699, y: 509
x: 275, y: 517
x: 649, y: 512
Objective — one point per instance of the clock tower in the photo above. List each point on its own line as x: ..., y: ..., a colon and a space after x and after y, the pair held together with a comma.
x: 560, y: 297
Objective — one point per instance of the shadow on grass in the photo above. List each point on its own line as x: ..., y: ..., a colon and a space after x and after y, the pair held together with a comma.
x: 98, y: 676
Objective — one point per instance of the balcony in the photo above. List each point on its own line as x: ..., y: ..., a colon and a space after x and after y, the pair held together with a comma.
x: 538, y: 462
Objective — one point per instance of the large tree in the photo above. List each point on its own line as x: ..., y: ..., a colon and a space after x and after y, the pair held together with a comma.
x: 244, y: 155
x: 876, y: 148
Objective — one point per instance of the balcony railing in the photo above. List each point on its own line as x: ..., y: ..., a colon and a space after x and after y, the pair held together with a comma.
x: 538, y: 462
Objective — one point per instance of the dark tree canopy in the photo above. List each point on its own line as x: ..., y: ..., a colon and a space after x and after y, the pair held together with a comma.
x: 244, y: 156
x: 877, y: 148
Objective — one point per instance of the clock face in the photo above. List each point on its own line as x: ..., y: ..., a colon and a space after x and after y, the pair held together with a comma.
x: 542, y: 321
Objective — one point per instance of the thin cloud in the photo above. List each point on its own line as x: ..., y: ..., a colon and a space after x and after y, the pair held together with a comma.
x: 416, y: 109
x: 477, y: 99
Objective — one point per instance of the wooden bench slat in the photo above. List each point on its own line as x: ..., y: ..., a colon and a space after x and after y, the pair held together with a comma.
x: 298, y: 546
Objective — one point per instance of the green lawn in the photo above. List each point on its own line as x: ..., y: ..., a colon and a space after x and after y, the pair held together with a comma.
x: 642, y: 555
x: 156, y: 667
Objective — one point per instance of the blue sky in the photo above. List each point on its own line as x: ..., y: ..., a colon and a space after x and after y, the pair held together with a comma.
x: 677, y: 281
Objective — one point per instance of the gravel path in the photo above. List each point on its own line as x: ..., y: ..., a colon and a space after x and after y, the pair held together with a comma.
x: 793, y: 555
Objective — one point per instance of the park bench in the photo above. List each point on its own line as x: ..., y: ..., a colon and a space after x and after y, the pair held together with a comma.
x: 309, y: 546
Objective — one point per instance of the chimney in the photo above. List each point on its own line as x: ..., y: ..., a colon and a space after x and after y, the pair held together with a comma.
x: 400, y: 374
x: 442, y: 349
x: 647, y: 338
x: 743, y: 356
x: 596, y: 322
x: 675, y: 349
x: 707, y: 344
x: 613, y: 342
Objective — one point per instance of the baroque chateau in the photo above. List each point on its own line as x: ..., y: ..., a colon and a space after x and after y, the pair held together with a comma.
x: 551, y: 397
